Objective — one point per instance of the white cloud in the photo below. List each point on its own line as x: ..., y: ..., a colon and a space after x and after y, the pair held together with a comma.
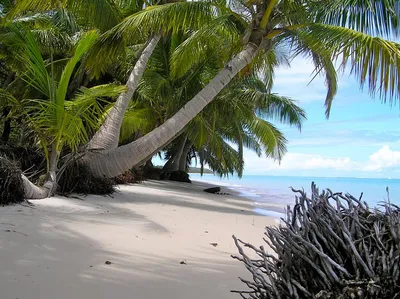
x: 296, y: 161
x: 382, y: 159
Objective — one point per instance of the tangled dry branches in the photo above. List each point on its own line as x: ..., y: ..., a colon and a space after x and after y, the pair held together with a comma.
x: 330, y: 246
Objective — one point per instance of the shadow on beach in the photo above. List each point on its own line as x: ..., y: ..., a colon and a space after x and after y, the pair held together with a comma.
x: 47, y: 251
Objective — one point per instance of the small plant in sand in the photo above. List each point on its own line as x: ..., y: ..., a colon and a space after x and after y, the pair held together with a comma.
x: 330, y: 246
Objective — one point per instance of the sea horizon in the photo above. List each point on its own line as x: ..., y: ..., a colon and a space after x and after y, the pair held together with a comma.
x: 276, y: 189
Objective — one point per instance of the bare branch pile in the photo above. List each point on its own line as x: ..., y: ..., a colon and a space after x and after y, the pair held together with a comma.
x: 330, y: 246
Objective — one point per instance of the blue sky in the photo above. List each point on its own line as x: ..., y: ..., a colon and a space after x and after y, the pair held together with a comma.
x: 360, y: 139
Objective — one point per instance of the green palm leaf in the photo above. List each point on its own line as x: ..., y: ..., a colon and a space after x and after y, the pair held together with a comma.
x: 374, y: 17
x: 270, y: 137
x: 372, y: 60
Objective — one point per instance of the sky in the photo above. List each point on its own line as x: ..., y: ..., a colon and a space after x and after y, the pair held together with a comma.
x: 360, y: 139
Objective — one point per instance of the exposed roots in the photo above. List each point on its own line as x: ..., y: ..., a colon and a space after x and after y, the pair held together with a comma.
x: 331, y: 246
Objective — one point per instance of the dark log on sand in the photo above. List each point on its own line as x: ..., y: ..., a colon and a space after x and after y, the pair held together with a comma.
x: 213, y: 190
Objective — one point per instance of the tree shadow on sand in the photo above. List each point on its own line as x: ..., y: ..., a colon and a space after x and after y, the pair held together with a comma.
x: 45, y: 253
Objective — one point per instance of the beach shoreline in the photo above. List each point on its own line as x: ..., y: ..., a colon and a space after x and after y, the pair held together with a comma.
x: 261, y: 207
x: 161, y: 239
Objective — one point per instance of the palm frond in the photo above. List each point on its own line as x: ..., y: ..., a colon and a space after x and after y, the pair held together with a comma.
x: 222, y: 32
x: 372, y: 60
x: 36, y: 74
x: 102, y: 14
x: 167, y: 17
x: 373, y: 17
x: 270, y: 137
x: 283, y: 109
x: 138, y: 120
x: 84, y: 44
x: 7, y: 99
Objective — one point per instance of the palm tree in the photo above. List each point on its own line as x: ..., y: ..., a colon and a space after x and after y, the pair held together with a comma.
x: 231, y: 117
x: 58, y: 120
x: 235, y: 120
x: 253, y: 32
x: 54, y: 35
x: 102, y: 15
x: 110, y: 47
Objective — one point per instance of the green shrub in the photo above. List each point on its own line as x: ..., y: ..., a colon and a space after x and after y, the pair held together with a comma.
x: 330, y: 246
x: 11, y: 185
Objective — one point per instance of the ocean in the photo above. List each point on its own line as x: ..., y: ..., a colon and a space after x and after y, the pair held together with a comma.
x: 276, y: 189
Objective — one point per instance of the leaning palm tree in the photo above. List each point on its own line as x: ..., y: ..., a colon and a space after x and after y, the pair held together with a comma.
x: 251, y: 33
x: 240, y: 117
x: 232, y: 120
x: 58, y: 119
x: 102, y: 15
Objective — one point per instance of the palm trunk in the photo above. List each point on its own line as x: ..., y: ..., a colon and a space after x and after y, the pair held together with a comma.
x: 108, y: 135
x: 183, y: 159
x: 110, y: 163
x: 173, y: 162
x: 34, y: 192
x: 54, y: 156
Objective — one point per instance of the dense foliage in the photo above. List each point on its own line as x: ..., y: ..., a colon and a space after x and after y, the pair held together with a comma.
x: 119, y: 81
x: 330, y: 246
x: 11, y: 187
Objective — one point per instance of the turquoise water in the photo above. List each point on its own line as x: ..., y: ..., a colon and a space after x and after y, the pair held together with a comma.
x: 276, y: 189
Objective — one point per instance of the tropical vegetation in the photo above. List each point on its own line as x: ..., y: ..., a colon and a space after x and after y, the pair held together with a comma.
x: 111, y: 83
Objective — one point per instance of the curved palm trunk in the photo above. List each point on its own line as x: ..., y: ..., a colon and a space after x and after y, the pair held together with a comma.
x: 110, y: 163
x: 108, y: 135
x: 173, y: 162
x: 183, y: 159
x: 34, y: 192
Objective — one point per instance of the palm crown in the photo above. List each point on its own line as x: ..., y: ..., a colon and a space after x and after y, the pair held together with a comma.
x: 330, y: 33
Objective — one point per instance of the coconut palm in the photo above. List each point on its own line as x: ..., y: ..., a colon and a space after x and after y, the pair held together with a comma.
x: 58, y: 120
x: 237, y: 119
x: 230, y: 118
x: 107, y: 136
x: 253, y: 32
x: 54, y: 35
x: 102, y: 15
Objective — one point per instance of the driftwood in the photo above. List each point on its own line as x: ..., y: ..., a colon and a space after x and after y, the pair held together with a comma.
x: 330, y: 246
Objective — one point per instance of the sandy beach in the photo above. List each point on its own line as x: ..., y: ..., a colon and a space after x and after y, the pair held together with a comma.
x: 58, y: 248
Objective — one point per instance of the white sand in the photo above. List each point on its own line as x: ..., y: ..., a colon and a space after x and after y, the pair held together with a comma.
x: 57, y: 249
